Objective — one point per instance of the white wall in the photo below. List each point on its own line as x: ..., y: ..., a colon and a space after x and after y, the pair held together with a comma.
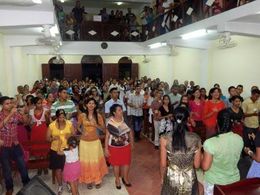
x: 238, y: 65
x: 186, y: 65
x: 3, y: 89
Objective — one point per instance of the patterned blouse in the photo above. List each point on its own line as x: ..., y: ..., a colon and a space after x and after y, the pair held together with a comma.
x: 119, y: 133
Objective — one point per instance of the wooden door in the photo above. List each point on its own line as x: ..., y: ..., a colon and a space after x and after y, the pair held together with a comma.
x: 110, y: 70
x: 73, y: 71
x: 135, y: 73
x: 45, y: 71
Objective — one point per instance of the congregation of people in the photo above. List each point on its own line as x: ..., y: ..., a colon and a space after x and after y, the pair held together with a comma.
x: 89, y: 126
x: 159, y: 17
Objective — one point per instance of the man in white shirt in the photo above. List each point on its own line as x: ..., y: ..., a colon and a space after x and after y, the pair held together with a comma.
x: 129, y: 93
x: 136, y: 103
x: 114, y: 100
x: 174, y: 96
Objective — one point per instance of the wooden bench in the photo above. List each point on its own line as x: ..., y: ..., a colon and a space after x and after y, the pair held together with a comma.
x: 243, y: 187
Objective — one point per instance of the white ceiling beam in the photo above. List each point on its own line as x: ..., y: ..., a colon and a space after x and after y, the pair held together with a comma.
x: 94, y: 48
x: 20, y: 40
x: 252, y: 29
x: 195, y: 44
x: 9, y: 18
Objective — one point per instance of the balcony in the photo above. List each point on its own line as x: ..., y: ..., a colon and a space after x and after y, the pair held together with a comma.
x: 156, y: 21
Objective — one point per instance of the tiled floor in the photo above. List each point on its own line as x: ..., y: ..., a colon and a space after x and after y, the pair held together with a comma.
x: 108, y: 186
x: 144, y: 175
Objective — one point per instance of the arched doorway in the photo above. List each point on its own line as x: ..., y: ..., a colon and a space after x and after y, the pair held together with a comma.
x: 56, y: 65
x: 125, y: 67
x: 92, y: 67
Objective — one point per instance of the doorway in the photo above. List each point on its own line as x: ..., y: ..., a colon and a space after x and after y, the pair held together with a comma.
x: 92, y: 67
x: 125, y: 68
x: 56, y: 68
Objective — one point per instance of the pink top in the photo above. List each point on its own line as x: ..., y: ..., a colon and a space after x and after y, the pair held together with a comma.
x: 196, y: 109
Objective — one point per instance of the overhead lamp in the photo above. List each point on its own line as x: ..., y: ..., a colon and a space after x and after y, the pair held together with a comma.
x: 54, y: 30
x: 195, y: 34
x: 62, y: 1
x: 157, y: 45
x: 37, y: 1
x: 119, y: 3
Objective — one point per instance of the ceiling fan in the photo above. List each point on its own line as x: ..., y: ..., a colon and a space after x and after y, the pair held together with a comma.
x: 225, y: 41
x: 146, y: 60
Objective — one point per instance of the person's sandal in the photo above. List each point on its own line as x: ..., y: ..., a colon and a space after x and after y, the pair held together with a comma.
x: 89, y: 186
x: 68, y: 188
x: 98, y: 186
x: 118, y: 187
x: 60, y: 190
x: 126, y: 184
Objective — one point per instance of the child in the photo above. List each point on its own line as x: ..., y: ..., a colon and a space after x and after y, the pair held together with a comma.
x: 71, y: 170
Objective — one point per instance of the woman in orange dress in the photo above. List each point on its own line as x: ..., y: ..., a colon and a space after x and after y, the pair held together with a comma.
x: 92, y: 161
x: 211, y: 110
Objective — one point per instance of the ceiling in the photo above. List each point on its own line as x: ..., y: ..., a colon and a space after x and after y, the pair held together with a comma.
x: 21, y: 30
x: 255, y: 18
x: 26, y: 5
x: 108, y: 3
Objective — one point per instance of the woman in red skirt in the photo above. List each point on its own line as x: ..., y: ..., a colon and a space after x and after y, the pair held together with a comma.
x: 119, y: 140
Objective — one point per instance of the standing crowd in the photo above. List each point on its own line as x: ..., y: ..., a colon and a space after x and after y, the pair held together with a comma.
x: 89, y: 126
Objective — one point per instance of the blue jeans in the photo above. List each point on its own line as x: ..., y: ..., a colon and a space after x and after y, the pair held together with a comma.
x: 14, y: 153
x: 137, y: 124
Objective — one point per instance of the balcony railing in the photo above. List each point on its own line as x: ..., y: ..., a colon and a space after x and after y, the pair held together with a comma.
x: 179, y: 14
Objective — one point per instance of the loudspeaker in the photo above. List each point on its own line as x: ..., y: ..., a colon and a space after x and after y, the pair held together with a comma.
x: 36, y: 187
x: 104, y: 45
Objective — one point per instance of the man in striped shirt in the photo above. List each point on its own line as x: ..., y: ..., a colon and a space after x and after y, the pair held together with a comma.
x: 64, y: 103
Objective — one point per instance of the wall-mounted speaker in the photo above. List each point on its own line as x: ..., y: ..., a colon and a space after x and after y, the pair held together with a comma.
x: 104, y: 45
x: 36, y: 187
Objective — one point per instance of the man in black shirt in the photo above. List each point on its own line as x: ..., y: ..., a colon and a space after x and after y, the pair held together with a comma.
x: 129, y: 15
x: 78, y: 12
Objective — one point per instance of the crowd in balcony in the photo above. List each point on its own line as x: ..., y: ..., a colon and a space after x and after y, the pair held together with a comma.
x: 160, y: 17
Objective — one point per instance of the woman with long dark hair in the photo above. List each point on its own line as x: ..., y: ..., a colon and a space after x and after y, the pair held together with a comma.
x: 237, y: 114
x: 211, y: 110
x: 165, y: 116
x: 92, y: 160
x: 39, y: 125
x: 58, y: 133
x: 180, y: 155
x: 221, y: 155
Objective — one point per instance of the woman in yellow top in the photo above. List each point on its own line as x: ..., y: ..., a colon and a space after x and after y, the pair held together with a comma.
x: 92, y: 161
x: 58, y: 133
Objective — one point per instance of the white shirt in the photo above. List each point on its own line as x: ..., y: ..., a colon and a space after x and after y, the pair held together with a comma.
x: 72, y: 155
x: 128, y: 94
x: 111, y: 102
